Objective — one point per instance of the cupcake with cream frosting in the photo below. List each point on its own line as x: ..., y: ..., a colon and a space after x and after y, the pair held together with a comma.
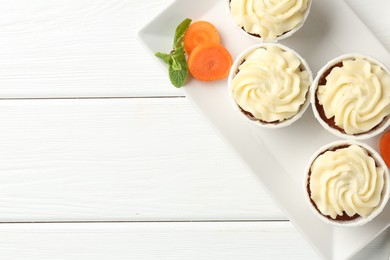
x: 269, y: 84
x: 269, y: 20
x: 351, y: 97
x: 347, y: 183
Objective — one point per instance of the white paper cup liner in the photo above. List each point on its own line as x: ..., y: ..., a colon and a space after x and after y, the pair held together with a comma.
x: 233, y: 73
x: 280, y: 37
x: 385, y: 193
x: 379, y: 129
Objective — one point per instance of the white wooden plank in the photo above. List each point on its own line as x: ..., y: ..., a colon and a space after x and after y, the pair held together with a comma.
x: 186, y: 240
x: 154, y: 241
x: 54, y: 48
x: 120, y: 159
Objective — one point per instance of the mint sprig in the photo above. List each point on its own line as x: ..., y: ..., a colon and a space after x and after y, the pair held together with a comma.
x: 176, y: 60
x: 179, y: 33
x: 165, y: 57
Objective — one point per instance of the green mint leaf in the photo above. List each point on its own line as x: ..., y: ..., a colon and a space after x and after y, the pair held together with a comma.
x: 176, y: 59
x: 165, y: 57
x: 175, y: 64
x: 178, y: 69
x: 178, y: 77
x: 179, y: 51
x: 179, y: 33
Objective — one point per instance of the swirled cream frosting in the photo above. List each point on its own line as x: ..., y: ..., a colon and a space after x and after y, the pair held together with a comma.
x: 346, y: 180
x: 270, y: 84
x: 268, y: 18
x: 357, y: 95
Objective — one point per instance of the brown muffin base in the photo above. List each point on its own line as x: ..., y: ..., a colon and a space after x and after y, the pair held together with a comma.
x: 253, y: 118
x: 322, y: 81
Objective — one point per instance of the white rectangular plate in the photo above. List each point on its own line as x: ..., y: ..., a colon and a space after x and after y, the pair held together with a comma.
x: 278, y: 157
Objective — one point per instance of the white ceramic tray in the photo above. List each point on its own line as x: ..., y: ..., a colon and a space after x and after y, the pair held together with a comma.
x: 278, y: 157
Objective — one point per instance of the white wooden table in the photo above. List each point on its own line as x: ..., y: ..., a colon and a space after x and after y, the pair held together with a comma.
x: 102, y: 159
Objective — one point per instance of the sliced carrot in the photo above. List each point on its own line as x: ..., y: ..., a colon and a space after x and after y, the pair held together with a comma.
x: 384, y: 146
x: 209, y: 62
x: 198, y: 33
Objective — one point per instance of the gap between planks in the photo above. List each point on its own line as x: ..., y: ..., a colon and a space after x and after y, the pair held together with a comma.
x: 80, y: 98
x: 148, y: 221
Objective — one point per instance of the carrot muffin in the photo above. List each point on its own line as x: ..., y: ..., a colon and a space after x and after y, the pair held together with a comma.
x: 269, y: 19
x: 352, y: 96
x: 270, y: 83
x: 346, y: 182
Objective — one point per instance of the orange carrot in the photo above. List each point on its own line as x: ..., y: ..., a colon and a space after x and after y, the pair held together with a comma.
x: 200, y: 32
x: 209, y: 62
x: 384, y: 146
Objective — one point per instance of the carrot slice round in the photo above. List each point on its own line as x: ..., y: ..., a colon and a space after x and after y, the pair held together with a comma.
x: 384, y: 146
x: 209, y: 62
x: 198, y: 33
